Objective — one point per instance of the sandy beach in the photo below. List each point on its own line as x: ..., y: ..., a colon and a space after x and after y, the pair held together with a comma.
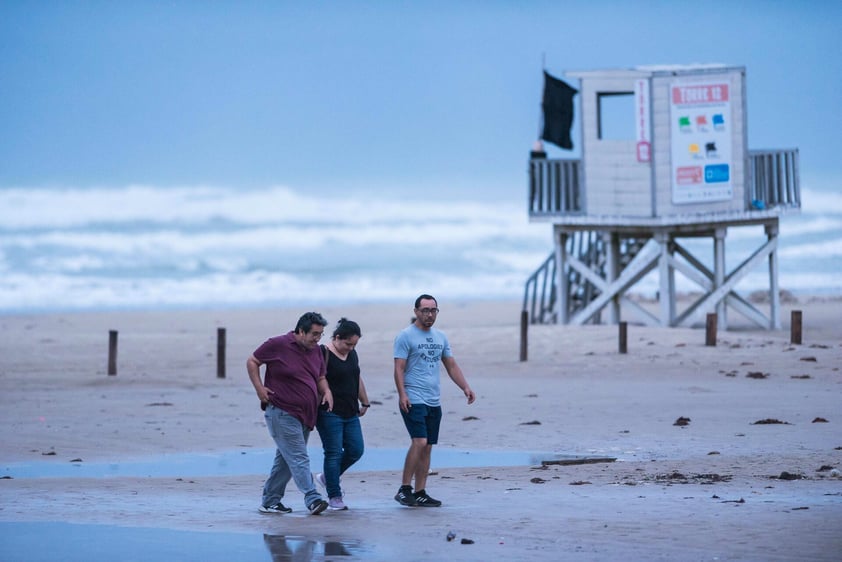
x: 749, y: 475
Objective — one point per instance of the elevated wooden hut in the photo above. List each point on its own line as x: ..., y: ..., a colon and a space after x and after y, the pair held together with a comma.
x: 679, y: 167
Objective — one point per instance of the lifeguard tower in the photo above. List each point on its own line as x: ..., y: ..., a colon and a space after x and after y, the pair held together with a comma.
x: 624, y: 209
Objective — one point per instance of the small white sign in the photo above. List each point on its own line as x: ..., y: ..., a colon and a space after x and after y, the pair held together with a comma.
x: 641, y: 122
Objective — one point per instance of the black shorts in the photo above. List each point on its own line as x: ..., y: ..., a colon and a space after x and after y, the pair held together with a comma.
x: 423, y: 421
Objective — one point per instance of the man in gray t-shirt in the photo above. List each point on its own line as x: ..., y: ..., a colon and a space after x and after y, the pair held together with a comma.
x: 419, y: 349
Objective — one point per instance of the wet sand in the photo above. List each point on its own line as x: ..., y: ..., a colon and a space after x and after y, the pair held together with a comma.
x: 719, y: 486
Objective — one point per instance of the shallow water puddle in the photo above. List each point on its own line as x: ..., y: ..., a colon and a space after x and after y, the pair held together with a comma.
x: 233, y: 463
x: 69, y: 542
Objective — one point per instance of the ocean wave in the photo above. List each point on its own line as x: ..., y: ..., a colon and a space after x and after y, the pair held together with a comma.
x: 42, y: 208
x: 143, y: 246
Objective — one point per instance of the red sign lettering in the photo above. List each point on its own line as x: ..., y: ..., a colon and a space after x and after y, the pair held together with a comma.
x: 703, y: 93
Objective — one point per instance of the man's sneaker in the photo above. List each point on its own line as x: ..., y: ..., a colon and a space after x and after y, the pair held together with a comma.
x: 422, y: 499
x: 336, y: 504
x: 274, y: 508
x: 405, y: 496
x: 317, y: 507
x: 319, y: 478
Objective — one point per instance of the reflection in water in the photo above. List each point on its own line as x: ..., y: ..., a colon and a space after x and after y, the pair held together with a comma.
x: 70, y: 542
x: 301, y: 549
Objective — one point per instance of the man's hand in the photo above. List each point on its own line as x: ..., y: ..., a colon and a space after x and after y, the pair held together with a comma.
x: 470, y: 395
x: 327, y: 398
x: 403, y: 402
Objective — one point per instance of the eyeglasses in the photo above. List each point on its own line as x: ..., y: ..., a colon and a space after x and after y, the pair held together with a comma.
x: 315, y: 335
x: 426, y: 311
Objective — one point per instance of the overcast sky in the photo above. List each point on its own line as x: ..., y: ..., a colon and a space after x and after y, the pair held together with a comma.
x: 331, y: 96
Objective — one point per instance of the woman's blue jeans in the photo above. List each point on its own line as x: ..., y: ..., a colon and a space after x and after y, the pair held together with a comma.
x: 342, y: 439
x: 291, y: 459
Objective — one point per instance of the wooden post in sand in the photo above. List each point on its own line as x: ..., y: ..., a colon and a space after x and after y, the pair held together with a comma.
x: 795, y: 327
x: 220, y: 353
x: 710, y: 330
x: 112, y: 352
x: 624, y: 348
x: 524, y: 325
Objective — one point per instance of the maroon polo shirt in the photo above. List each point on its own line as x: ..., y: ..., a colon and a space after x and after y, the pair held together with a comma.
x: 292, y: 373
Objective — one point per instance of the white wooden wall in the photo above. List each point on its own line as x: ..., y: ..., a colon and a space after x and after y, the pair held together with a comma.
x: 615, y: 183
x: 659, y: 92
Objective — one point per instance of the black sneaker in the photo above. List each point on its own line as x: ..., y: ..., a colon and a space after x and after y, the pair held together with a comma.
x: 317, y: 507
x: 405, y: 496
x: 274, y: 508
x: 422, y: 499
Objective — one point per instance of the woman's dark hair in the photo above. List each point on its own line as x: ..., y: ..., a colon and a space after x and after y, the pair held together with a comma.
x: 346, y: 328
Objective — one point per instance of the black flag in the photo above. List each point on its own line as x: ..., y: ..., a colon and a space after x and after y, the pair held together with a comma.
x: 558, y: 111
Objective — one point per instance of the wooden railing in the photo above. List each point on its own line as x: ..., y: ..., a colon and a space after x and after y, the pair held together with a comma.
x: 773, y: 179
x: 539, y: 294
x: 555, y: 184
x: 554, y: 187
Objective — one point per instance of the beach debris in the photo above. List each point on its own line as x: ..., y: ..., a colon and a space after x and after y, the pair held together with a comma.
x: 160, y: 404
x: 769, y: 421
x: 789, y: 476
x: 76, y: 460
x: 680, y: 478
x: 799, y: 508
x: 682, y: 421
x: 532, y: 396
x: 450, y: 536
x: 466, y: 541
x: 824, y: 468
x: 714, y: 453
x: 377, y: 402
x: 800, y: 376
x: 580, y: 483
x: 820, y: 420
x: 577, y: 460
x: 533, y: 422
x: 49, y: 453
x: 761, y: 297
x: 810, y: 359
x: 835, y: 473
x: 729, y: 373
x: 757, y: 375
x: 819, y: 346
x: 538, y: 480
x: 469, y: 418
x: 6, y: 477
x: 746, y: 363
x: 741, y: 500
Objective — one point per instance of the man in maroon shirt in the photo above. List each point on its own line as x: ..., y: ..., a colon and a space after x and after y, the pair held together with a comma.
x: 292, y: 390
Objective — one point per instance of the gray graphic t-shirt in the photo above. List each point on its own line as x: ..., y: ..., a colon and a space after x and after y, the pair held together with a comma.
x: 423, y: 352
